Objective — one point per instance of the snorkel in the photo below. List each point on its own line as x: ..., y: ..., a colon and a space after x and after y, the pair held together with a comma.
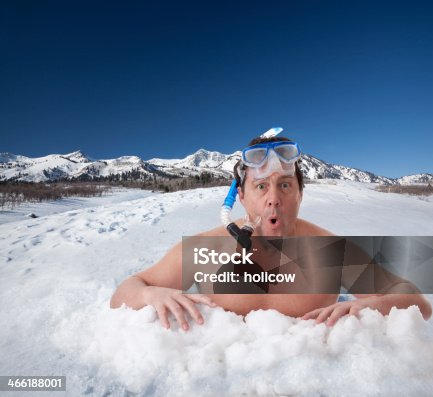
x: 241, y: 235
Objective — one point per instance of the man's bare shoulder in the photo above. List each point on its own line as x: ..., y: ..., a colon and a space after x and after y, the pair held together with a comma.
x: 305, y: 228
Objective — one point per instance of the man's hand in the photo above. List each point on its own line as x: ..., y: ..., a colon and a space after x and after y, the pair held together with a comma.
x: 166, y: 300
x: 332, y: 313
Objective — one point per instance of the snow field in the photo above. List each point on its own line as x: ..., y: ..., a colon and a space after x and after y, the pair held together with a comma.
x: 57, y: 274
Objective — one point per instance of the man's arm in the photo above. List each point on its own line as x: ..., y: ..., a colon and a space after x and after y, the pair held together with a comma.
x: 161, y: 287
x: 382, y: 303
x: 385, y: 288
x: 399, y: 292
x: 389, y: 291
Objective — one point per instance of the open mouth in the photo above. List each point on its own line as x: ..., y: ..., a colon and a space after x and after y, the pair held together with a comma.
x: 273, y: 221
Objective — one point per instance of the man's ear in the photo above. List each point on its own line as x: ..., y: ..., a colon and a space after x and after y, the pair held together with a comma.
x: 241, y: 195
x: 301, y: 196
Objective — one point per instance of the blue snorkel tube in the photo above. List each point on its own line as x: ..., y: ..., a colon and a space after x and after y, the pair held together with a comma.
x: 241, y: 235
x: 231, y: 196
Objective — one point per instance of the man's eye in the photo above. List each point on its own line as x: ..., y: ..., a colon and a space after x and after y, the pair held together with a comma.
x: 261, y: 186
x: 285, y: 185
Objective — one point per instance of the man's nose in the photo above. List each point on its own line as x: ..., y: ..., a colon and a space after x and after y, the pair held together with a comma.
x: 273, y: 199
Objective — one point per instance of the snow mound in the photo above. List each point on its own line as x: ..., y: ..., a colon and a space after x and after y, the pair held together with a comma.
x: 264, y: 354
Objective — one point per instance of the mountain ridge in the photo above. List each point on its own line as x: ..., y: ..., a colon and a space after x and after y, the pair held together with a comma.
x: 77, y: 165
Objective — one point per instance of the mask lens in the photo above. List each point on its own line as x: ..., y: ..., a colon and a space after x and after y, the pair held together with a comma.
x: 254, y: 156
x: 287, y: 152
x: 271, y: 167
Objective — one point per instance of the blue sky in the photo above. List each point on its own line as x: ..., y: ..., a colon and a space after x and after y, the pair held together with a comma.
x: 351, y: 81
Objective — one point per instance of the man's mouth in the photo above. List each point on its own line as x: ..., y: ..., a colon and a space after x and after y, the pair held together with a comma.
x: 274, y: 221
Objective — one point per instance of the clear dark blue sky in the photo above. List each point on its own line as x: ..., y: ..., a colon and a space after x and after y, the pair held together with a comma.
x: 351, y: 81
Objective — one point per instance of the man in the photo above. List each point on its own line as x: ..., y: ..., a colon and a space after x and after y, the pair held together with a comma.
x: 270, y: 187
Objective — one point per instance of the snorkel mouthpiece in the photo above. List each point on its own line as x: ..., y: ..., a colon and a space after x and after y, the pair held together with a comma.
x: 242, y: 236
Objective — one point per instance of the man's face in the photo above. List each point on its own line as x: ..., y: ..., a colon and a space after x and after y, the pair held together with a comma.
x: 275, y: 199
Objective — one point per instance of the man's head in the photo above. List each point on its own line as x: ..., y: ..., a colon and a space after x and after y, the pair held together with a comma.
x: 241, y: 169
x: 275, y: 198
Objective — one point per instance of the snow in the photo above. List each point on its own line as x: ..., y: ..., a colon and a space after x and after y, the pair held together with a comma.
x: 201, y: 158
x: 58, y: 271
x: 164, y: 162
x: 356, y: 209
x: 416, y: 179
x: 112, y: 196
x: 33, y: 168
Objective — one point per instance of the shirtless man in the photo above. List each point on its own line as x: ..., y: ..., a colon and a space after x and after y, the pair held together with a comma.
x: 272, y: 191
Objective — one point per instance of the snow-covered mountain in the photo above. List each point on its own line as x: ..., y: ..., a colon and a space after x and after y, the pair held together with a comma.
x: 202, y: 160
x: 315, y: 168
x: 415, y: 179
x: 51, y: 167
x: 73, y: 165
x: 77, y: 165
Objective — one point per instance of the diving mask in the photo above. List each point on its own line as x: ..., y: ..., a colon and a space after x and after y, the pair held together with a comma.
x: 264, y: 159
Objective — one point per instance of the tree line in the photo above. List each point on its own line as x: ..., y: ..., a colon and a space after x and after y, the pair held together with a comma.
x: 14, y: 192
